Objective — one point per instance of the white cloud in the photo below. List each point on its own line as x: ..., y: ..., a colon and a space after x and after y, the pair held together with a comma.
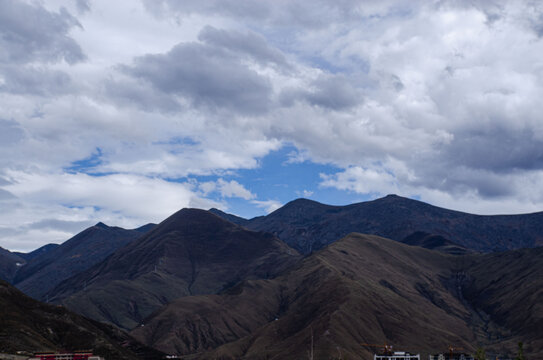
x: 377, y: 182
x: 234, y: 189
x: 439, y: 100
x: 268, y: 205
x: 207, y: 187
x: 361, y: 180
x: 122, y: 200
x: 117, y: 193
x: 307, y: 193
x: 226, y: 189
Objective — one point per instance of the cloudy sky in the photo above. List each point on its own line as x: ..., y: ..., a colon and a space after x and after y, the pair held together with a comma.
x: 126, y: 111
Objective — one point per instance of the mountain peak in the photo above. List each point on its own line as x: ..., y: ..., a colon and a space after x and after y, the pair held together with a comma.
x: 303, y: 202
x: 230, y: 217
x: 394, y: 197
x: 200, y: 253
x: 194, y: 214
x: 145, y: 228
x: 102, y: 225
x: 195, y: 219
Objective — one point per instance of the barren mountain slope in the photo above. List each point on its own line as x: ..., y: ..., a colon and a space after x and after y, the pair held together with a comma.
x: 79, y: 253
x: 9, y: 264
x: 191, y: 252
x: 307, y: 225
x: 28, y: 325
x: 362, y: 289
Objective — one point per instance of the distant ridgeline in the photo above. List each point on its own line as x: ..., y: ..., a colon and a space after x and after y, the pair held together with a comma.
x: 307, y: 277
x: 307, y: 225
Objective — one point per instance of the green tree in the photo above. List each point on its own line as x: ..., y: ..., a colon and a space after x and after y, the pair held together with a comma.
x: 480, y: 354
x: 520, y: 355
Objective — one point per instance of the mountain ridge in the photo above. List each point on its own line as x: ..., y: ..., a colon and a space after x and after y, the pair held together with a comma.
x: 361, y: 289
x: 10, y: 264
x: 77, y: 254
x: 307, y: 225
x: 30, y: 326
x: 191, y: 252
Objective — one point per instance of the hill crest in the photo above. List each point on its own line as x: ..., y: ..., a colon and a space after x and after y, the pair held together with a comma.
x: 191, y: 252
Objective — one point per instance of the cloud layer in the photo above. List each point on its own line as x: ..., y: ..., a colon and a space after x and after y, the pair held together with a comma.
x: 127, y: 112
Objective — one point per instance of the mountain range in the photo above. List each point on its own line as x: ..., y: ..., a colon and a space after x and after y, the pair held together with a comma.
x: 9, y: 264
x: 49, y: 267
x: 192, y: 252
x: 207, y: 284
x: 363, y: 289
x: 27, y: 325
x: 307, y: 225
x: 38, y: 252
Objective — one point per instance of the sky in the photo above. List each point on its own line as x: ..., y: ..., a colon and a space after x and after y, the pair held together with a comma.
x: 127, y: 111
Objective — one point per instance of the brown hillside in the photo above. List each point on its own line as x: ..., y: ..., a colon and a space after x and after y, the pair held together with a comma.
x: 89, y: 247
x: 191, y: 252
x: 362, y: 289
x: 31, y: 326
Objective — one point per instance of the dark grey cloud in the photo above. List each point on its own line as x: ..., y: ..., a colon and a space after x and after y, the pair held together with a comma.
x: 34, y: 81
x: 459, y: 180
x: 497, y: 149
x: 7, y: 232
x: 129, y: 92
x: 251, y: 44
x: 10, y: 134
x: 6, y: 195
x: 480, y: 158
x: 334, y: 92
x: 45, y: 225
x: 287, y: 13
x: 4, y: 181
x: 30, y: 33
x: 62, y: 225
x: 238, y: 8
x: 83, y: 6
x: 208, y: 75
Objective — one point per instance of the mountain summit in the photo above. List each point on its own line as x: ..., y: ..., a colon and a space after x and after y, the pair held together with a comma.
x: 307, y: 225
x: 79, y: 253
x: 191, y: 252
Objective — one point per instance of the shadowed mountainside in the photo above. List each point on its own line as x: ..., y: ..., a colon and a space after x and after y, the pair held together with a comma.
x: 9, y: 264
x: 362, y: 289
x: 38, y: 252
x: 307, y: 225
x: 89, y: 247
x: 191, y: 252
x: 31, y: 326
x: 508, y: 287
x: 232, y: 218
x: 435, y: 242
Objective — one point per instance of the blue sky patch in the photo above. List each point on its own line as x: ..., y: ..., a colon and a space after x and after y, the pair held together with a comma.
x: 87, y: 164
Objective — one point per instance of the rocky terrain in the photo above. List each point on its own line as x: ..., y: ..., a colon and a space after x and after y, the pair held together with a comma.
x: 192, y: 252
x: 203, y: 285
x: 362, y: 289
x: 30, y: 326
